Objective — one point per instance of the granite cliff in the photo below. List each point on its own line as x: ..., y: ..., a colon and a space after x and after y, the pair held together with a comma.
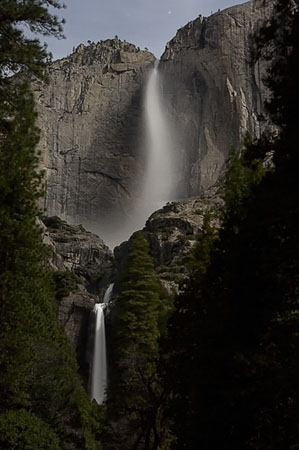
x: 213, y: 91
x: 90, y: 116
x: 89, y: 119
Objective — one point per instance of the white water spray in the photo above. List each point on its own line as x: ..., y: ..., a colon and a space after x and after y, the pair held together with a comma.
x: 158, y: 183
x: 108, y: 293
x: 99, y: 365
x: 156, y: 148
x: 159, y: 174
x: 157, y: 144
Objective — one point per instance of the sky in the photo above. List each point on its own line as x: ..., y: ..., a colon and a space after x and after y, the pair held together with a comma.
x: 145, y: 23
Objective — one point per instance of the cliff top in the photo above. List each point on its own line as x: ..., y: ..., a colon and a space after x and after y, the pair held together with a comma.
x: 110, y: 50
x: 198, y: 33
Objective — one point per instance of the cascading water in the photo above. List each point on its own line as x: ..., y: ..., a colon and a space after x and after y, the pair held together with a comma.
x: 157, y: 144
x: 99, y: 364
x: 108, y: 293
x: 158, y: 183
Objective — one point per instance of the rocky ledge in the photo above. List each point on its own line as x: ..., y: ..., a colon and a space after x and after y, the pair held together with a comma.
x: 171, y: 233
x: 82, y: 265
x: 82, y: 252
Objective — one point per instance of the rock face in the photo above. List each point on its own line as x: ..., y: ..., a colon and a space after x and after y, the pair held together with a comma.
x: 213, y: 92
x: 171, y: 233
x: 90, y: 116
x: 84, y: 254
x: 89, y: 120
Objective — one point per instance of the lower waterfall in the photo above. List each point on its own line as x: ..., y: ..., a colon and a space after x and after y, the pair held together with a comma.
x: 99, y: 362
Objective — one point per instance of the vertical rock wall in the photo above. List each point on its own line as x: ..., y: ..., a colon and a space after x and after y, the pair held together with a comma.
x: 89, y: 118
x: 213, y: 92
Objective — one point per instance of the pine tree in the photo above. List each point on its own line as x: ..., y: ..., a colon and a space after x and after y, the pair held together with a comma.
x: 23, y: 277
x: 185, y: 325
x: 135, y: 394
x: 39, y: 384
x: 244, y: 394
x: 17, y: 52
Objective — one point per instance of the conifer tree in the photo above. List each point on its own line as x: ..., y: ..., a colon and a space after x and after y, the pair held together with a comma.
x: 23, y: 278
x: 245, y: 392
x: 135, y: 395
x: 39, y: 385
x: 184, y: 343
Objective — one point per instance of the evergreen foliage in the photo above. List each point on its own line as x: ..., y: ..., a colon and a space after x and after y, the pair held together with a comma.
x: 185, y: 324
x: 239, y: 385
x: 43, y: 404
x: 21, y: 430
x: 235, y: 186
x: 65, y: 283
x: 135, y: 394
x: 19, y: 53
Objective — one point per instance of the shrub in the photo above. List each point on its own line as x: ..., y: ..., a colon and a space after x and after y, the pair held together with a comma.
x: 21, y: 430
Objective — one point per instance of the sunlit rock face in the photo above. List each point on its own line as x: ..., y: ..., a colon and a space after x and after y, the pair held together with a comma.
x: 89, y: 115
x: 213, y: 92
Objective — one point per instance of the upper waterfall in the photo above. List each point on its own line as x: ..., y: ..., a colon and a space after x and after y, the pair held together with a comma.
x: 158, y: 181
x: 157, y: 184
x: 156, y: 156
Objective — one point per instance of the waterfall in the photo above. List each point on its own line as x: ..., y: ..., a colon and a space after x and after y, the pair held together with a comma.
x: 108, y: 293
x: 156, y: 140
x: 99, y: 367
x: 156, y: 147
x: 99, y: 364
x: 158, y: 182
